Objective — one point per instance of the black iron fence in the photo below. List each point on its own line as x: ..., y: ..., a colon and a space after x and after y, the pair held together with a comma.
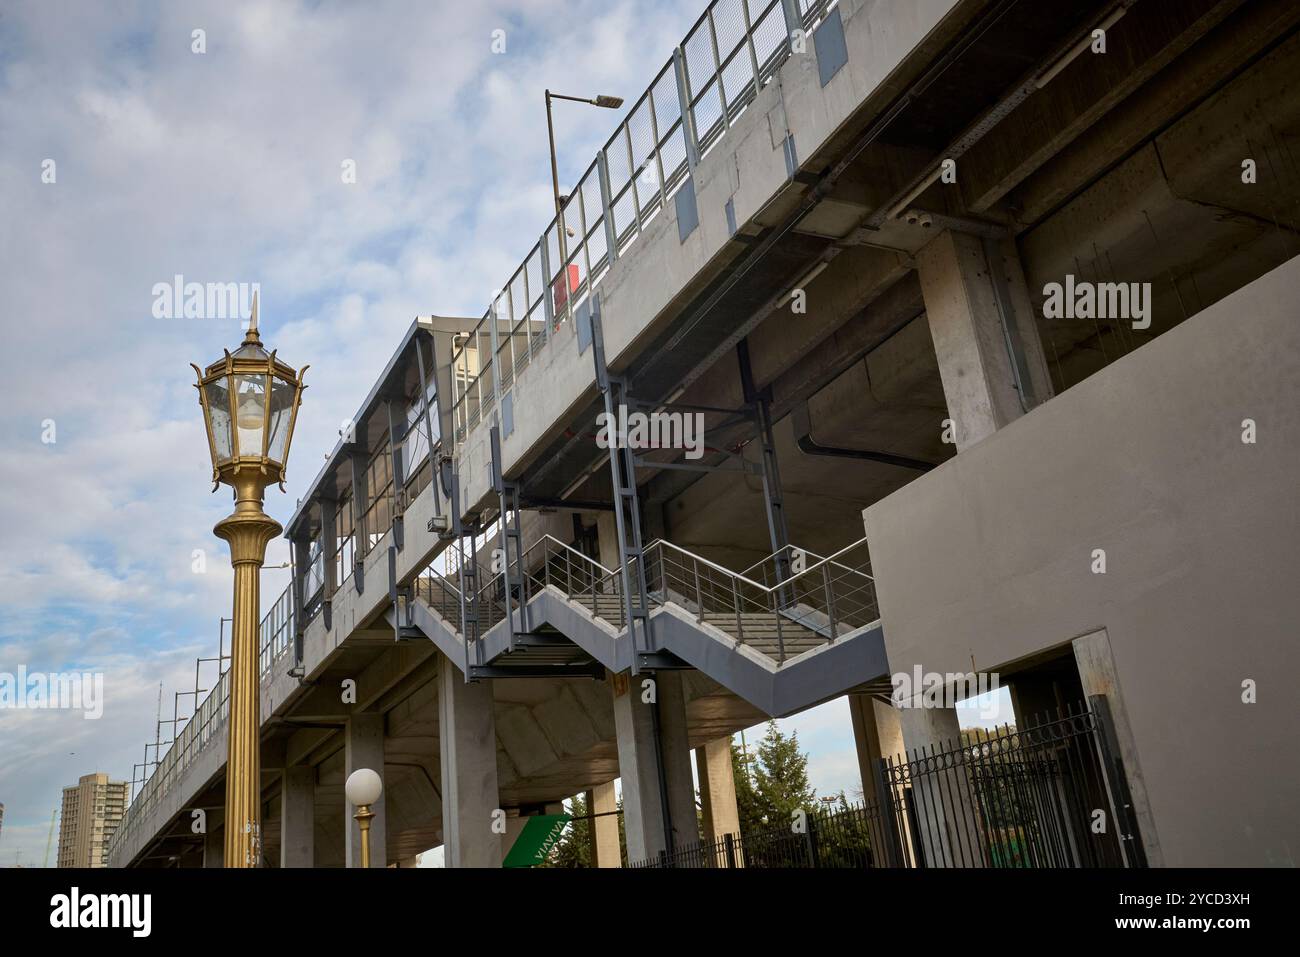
x: 839, y: 838
x: 1051, y: 794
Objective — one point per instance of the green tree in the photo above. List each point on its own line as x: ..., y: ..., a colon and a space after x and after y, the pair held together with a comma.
x: 780, y: 779
x: 747, y: 803
x: 574, y: 848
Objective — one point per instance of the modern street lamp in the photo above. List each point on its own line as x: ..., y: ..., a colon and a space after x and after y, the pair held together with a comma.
x: 363, y: 788
x: 250, y: 402
x: 604, y: 102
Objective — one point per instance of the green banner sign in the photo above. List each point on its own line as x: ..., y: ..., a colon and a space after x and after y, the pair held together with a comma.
x: 535, y: 841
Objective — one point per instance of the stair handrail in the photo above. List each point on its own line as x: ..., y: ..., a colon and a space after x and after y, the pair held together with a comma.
x: 767, y: 558
x: 443, y: 581
x: 769, y: 588
x: 585, y: 557
x: 663, y: 542
x: 761, y: 596
x: 832, y: 560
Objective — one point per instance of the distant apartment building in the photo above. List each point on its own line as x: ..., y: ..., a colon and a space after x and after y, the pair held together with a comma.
x: 92, y: 810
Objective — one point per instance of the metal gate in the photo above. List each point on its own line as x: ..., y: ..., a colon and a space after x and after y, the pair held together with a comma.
x: 1050, y: 794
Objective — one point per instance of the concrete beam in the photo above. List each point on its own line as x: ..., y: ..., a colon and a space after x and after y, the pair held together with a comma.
x: 394, y: 668
x: 1173, y: 91
x: 1148, y: 38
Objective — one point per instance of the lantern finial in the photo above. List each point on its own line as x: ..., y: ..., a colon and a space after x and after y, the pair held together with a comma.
x: 251, y: 336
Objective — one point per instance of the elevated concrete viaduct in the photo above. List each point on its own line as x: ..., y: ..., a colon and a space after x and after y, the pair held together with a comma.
x: 832, y: 232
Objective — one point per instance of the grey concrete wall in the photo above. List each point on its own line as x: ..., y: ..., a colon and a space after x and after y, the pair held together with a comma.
x: 989, y: 559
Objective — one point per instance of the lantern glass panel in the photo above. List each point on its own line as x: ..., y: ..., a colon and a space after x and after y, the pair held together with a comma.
x: 250, y: 412
x: 217, y: 393
x: 282, y: 395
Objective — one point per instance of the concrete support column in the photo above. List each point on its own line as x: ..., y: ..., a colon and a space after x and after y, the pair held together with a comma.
x: 968, y: 293
x: 214, y: 840
x: 717, y: 789
x: 364, y: 748
x: 878, y: 733
x: 607, y: 539
x: 943, y: 798
x: 605, y: 851
x: 635, y: 715
x: 467, y: 735
x: 298, y: 817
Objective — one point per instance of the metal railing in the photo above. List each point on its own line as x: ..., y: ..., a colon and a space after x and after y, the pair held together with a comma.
x: 829, y: 594
x: 1012, y: 797
x: 549, y: 561
x: 276, y: 632
x: 731, y: 52
x: 275, y: 641
x: 840, y: 838
x: 437, y: 590
x: 821, y: 602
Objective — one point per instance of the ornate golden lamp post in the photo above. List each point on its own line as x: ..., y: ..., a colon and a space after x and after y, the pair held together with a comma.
x: 250, y: 401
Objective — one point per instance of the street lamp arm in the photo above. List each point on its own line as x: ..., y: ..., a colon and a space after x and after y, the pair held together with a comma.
x: 603, y: 101
x: 607, y: 102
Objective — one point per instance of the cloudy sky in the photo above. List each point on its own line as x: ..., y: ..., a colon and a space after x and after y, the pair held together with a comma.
x: 127, y: 158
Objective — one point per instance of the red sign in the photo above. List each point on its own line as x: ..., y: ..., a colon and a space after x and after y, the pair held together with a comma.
x: 560, y: 291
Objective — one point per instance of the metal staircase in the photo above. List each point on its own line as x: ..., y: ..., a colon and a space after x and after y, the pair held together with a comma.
x: 751, y: 634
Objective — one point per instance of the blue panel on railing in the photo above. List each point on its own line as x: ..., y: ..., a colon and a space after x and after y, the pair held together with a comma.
x: 688, y: 214
x: 583, y: 322
x: 832, y: 53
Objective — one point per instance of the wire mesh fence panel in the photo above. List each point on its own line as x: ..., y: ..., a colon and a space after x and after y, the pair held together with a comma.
x: 731, y: 52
